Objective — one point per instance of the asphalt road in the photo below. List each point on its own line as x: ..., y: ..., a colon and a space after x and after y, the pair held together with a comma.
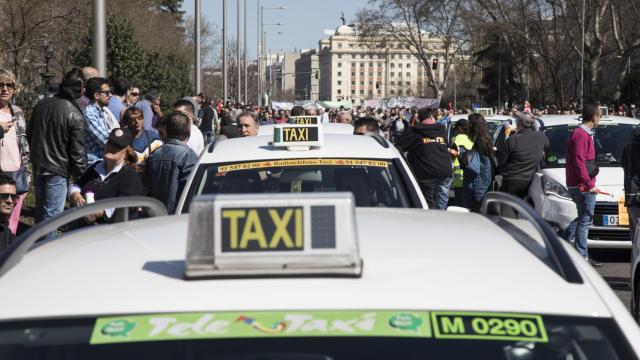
x: 615, y: 271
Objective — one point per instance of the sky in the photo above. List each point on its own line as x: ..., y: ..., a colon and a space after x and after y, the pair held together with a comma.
x: 304, y: 20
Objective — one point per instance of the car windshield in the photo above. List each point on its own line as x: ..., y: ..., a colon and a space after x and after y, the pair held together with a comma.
x: 401, y: 336
x: 374, y: 183
x: 610, y: 140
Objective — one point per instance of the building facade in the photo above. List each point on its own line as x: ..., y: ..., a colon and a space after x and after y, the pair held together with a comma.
x: 280, y: 75
x: 354, y: 68
x: 307, y: 83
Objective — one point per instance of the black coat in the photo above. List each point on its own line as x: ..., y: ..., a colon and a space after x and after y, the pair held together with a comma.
x: 6, y: 236
x: 56, y: 137
x: 126, y: 182
x: 429, y: 155
x: 520, y: 156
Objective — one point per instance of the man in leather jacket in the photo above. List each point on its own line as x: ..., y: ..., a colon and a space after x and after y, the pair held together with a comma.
x: 56, y: 137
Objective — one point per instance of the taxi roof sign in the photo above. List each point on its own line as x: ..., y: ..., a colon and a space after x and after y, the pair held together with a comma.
x: 297, y: 136
x: 305, y: 120
x: 273, y: 235
x: 486, y: 112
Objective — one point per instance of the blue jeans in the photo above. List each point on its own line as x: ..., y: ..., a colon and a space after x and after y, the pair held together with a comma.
x: 585, y: 204
x: 436, y: 192
x: 51, y: 195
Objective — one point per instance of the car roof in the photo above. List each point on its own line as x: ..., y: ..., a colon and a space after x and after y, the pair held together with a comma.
x: 413, y: 259
x: 327, y: 128
x: 335, y: 146
x: 494, y: 118
x: 556, y: 120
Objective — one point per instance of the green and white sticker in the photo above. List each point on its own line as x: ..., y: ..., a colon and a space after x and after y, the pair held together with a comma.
x: 260, y: 324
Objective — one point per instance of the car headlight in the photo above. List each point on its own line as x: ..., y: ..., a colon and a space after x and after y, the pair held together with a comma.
x: 550, y: 186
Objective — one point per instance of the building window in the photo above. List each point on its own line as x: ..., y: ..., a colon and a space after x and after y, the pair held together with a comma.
x: 339, y: 91
x: 393, y: 56
x: 393, y: 65
x: 361, y: 73
x: 370, y: 92
x: 339, y: 64
x: 370, y: 64
x: 393, y: 82
x: 393, y: 74
x: 353, y: 83
x: 339, y: 82
x: 361, y: 56
x: 361, y: 92
x: 353, y: 73
x: 361, y: 83
x: 339, y: 73
x: 400, y: 65
x: 379, y: 92
x: 340, y: 45
x: 353, y: 56
x: 371, y: 74
x: 353, y: 92
x: 408, y: 66
x: 408, y: 83
x: 400, y: 92
x: 350, y: 45
x: 370, y: 82
x: 361, y: 65
x: 392, y: 92
x: 407, y: 56
x: 408, y: 74
x: 339, y: 56
x: 379, y: 73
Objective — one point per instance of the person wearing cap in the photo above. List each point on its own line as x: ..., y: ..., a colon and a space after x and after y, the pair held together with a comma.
x: 115, y: 175
x: 520, y: 155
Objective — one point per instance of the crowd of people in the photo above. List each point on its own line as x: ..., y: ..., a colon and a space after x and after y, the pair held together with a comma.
x: 99, y: 138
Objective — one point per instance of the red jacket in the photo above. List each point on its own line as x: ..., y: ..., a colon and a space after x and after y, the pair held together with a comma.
x: 579, y: 149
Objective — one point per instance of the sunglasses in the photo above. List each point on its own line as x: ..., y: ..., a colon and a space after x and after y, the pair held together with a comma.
x: 106, y: 92
x: 5, y: 196
x: 10, y: 86
x: 135, y: 94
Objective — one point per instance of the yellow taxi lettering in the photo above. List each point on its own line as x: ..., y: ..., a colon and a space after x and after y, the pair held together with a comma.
x: 295, y: 134
x: 253, y: 231
x: 452, y: 325
x: 298, y: 225
x: 281, y: 228
x: 233, y: 216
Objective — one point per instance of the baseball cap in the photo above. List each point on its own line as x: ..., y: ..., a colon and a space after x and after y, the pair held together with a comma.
x: 121, y: 138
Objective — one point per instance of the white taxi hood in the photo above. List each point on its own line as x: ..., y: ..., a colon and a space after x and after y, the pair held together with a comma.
x: 609, y: 180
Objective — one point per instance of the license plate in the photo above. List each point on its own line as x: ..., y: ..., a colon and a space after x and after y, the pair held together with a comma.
x: 610, y: 220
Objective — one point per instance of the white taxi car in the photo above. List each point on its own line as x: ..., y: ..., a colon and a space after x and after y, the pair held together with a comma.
x: 493, y: 120
x: 304, y: 158
x: 307, y: 276
x: 550, y: 197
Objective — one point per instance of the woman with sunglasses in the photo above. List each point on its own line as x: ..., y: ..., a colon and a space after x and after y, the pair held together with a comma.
x: 133, y: 96
x: 14, y: 148
x: 115, y: 175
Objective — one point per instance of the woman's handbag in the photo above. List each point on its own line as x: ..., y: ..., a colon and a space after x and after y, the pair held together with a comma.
x: 20, y: 177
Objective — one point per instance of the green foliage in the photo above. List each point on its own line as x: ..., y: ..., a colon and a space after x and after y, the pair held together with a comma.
x: 167, y: 72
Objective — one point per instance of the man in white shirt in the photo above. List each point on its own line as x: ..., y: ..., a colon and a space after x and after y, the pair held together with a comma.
x: 196, y: 140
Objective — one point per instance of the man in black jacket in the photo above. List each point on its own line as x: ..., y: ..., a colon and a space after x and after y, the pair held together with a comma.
x: 429, y: 158
x: 520, y: 155
x: 56, y: 139
x: 8, y: 199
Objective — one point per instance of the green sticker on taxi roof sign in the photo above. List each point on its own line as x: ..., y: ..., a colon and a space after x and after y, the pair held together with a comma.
x: 488, y: 326
x: 188, y: 326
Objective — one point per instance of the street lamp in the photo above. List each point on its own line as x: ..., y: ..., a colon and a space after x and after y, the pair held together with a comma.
x: 260, y: 54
